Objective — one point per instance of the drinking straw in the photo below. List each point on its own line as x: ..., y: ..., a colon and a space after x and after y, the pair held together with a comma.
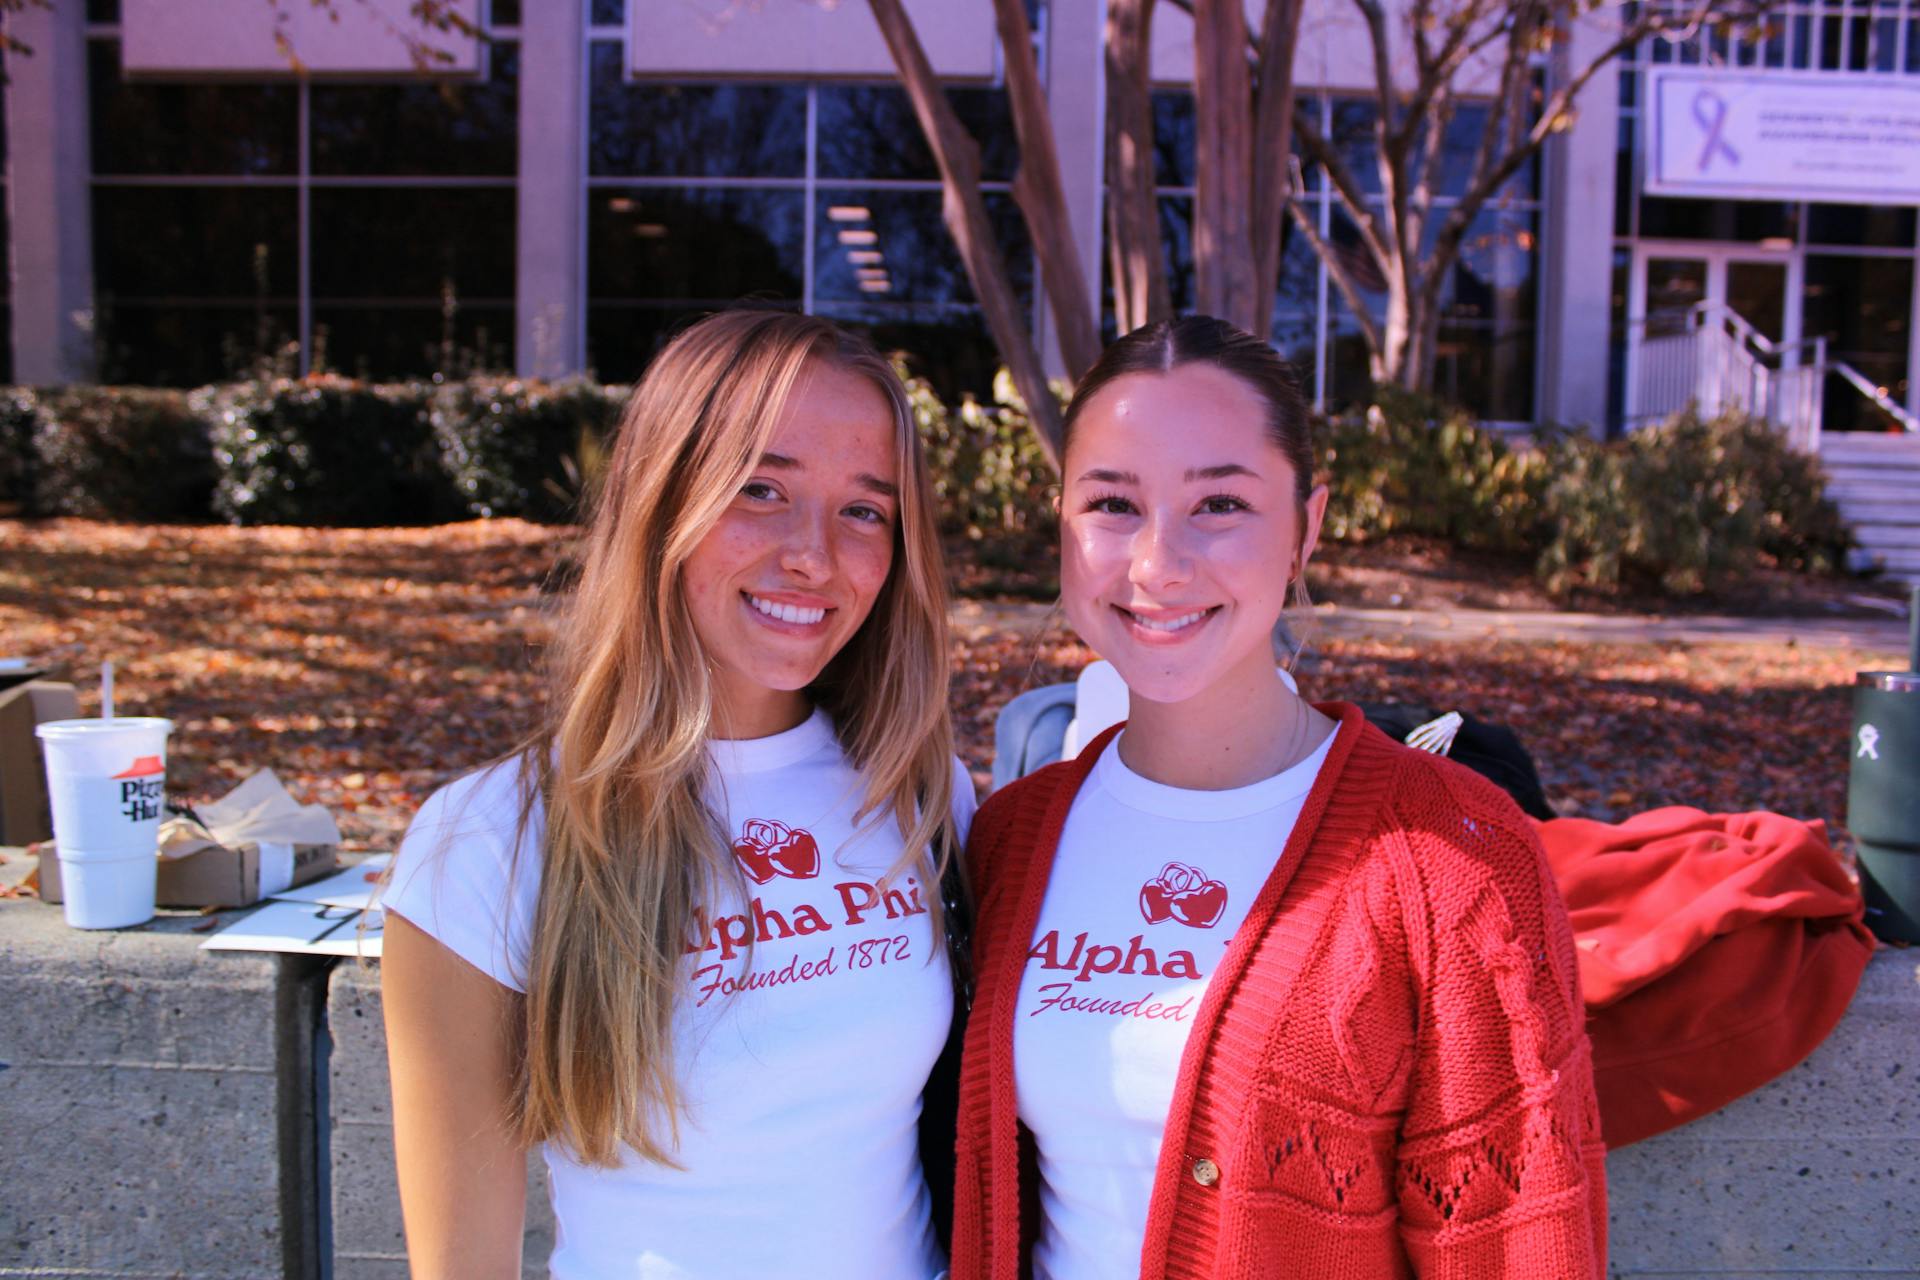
x: 106, y: 690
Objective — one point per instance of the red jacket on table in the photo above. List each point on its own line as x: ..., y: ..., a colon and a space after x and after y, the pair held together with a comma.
x: 1388, y: 1074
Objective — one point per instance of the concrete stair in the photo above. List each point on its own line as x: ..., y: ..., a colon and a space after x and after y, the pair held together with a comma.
x: 1875, y: 480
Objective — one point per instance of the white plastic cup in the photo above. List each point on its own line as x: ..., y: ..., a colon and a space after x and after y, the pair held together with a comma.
x: 107, y: 783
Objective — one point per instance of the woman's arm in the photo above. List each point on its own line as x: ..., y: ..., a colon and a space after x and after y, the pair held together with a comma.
x: 452, y: 1033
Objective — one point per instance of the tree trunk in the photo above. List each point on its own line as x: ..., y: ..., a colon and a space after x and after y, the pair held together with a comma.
x: 1273, y: 141
x: 1043, y: 203
x: 1223, y: 254
x: 965, y: 213
x: 1140, y: 293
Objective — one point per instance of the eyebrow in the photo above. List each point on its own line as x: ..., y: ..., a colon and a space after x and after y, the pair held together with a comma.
x: 1103, y: 475
x: 866, y: 480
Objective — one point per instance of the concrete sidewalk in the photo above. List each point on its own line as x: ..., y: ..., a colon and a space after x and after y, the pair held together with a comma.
x: 1870, y: 635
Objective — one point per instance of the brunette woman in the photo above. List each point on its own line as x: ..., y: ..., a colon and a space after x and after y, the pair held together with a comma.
x: 688, y: 939
x: 1259, y: 991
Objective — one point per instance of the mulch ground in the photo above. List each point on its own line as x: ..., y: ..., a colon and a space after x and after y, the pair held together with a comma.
x: 367, y: 667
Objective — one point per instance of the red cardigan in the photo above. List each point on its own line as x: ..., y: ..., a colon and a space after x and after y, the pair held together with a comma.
x: 1388, y: 1075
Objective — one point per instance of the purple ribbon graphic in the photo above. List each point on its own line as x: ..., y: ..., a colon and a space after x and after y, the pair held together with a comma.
x: 1710, y: 111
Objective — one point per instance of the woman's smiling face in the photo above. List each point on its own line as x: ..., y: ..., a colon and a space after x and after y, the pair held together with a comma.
x: 1181, y: 525
x: 793, y: 567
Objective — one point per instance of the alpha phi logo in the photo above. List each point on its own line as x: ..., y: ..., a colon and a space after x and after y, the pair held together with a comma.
x: 1183, y: 893
x: 767, y: 849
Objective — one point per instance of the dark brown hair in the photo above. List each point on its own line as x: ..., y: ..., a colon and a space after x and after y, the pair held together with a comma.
x: 1165, y: 345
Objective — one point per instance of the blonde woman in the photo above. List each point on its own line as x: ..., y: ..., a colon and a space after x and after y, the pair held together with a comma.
x: 688, y: 940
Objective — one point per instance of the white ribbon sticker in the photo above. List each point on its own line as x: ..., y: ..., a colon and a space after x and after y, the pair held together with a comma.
x: 276, y: 868
x: 1869, y: 743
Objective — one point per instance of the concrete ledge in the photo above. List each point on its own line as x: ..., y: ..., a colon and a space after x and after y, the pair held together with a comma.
x: 369, y: 1241
x: 1815, y: 1175
x: 139, y: 1099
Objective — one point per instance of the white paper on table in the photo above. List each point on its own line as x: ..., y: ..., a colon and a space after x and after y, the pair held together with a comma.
x: 306, y: 928
x: 357, y: 886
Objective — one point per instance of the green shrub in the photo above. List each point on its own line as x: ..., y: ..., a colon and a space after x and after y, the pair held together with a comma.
x: 121, y: 453
x: 1682, y: 505
x: 1411, y: 465
x: 991, y: 479
x: 19, y: 421
x: 326, y: 451
x: 523, y: 448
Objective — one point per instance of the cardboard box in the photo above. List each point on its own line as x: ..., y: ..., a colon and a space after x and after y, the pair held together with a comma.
x: 216, y: 877
x: 24, y: 813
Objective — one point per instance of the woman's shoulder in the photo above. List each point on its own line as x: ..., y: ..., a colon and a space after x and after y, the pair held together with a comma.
x: 1458, y: 843
x: 486, y: 802
x: 1006, y: 828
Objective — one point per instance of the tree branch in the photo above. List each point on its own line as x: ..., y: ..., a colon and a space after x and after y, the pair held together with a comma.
x: 1272, y: 139
x: 1042, y: 201
x: 1223, y: 167
x: 1341, y: 276
x: 965, y: 213
x: 1328, y: 157
x: 1140, y: 292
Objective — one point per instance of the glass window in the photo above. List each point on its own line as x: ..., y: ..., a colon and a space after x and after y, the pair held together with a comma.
x: 657, y: 258
x: 1672, y: 218
x: 105, y: 11
x: 412, y: 242
x: 195, y: 242
x: 1173, y: 138
x: 1353, y: 141
x: 1617, y: 339
x: 185, y: 344
x: 1623, y: 188
x: 504, y: 13
x: 412, y: 339
x: 1174, y: 141
x: 870, y: 131
x: 918, y: 263
x: 1349, y: 372
x: 915, y: 296
x: 692, y: 131
x: 421, y: 128
x: 608, y: 13
x: 1879, y: 226
x: 1176, y: 248
x: 705, y: 247
x: 214, y: 127
x: 1863, y: 308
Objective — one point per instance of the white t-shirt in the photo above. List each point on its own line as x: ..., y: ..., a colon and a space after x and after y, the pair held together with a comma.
x: 800, y: 1146
x: 1147, y: 888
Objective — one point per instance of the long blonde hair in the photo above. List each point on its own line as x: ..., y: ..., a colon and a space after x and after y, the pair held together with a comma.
x: 631, y: 846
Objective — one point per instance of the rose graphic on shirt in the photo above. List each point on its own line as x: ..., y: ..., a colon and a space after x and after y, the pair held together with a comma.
x: 767, y: 849
x: 1183, y: 893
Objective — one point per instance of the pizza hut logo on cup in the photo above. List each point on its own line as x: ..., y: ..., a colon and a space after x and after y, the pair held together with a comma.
x: 767, y: 849
x: 1183, y: 893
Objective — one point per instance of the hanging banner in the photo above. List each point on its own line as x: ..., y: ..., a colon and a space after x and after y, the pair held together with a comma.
x: 1782, y: 135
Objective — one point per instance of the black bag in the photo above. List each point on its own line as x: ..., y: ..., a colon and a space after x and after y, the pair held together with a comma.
x: 1491, y: 750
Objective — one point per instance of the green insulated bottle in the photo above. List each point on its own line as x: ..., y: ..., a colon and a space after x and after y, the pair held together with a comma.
x: 1883, y: 793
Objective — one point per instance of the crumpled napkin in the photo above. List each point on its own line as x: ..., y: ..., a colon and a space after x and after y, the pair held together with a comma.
x: 259, y: 812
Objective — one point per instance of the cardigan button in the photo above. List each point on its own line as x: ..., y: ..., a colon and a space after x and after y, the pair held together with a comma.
x: 1206, y: 1172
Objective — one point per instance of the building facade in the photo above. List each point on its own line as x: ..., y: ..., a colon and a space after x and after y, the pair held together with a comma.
x: 561, y: 194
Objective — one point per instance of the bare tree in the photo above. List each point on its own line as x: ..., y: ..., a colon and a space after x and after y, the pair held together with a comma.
x: 1512, y: 59
x: 1246, y: 121
x: 1511, y: 62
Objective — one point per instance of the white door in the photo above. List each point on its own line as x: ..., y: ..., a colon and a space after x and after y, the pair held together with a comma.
x: 1669, y: 280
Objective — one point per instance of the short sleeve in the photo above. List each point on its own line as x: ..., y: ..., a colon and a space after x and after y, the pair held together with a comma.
x: 964, y: 800
x: 457, y: 879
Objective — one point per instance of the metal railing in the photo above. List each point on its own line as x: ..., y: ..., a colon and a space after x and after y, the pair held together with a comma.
x: 1713, y: 359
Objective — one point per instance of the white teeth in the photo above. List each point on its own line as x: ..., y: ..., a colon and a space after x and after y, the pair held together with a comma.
x: 787, y: 612
x: 1171, y: 624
